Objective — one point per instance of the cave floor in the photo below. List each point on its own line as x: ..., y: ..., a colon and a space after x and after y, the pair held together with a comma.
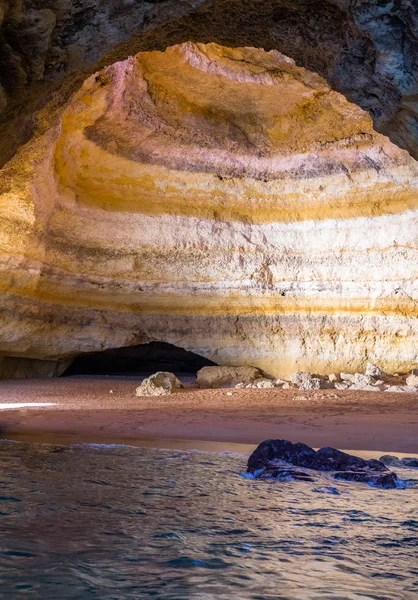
x: 106, y: 410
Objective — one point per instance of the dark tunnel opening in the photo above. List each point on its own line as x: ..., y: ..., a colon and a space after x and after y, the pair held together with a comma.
x: 138, y: 360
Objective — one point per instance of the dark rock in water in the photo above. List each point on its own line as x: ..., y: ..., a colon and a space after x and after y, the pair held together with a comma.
x: 386, y: 481
x: 301, y: 455
x: 390, y: 461
x: 282, y: 472
x: 280, y: 450
x: 410, y: 463
x: 328, y: 490
x: 393, y: 461
x: 265, y: 462
x: 330, y: 459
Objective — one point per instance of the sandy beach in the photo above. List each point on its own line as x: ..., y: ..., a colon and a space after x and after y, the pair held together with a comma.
x: 107, y: 409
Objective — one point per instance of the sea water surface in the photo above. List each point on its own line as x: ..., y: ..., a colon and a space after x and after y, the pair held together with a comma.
x: 113, y: 523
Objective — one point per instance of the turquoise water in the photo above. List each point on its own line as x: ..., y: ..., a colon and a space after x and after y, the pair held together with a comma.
x: 113, y: 523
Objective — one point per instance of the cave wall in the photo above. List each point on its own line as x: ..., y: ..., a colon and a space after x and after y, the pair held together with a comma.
x: 366, y: 49
x: 223, y: 200
x: 28, y: 368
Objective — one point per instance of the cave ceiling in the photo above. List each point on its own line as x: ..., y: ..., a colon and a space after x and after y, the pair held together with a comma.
x: 365, y: 49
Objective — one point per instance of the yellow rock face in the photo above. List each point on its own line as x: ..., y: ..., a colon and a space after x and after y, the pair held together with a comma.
x: 223, y: 200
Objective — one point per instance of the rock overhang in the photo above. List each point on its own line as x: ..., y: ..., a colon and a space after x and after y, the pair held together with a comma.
x: 366, y: 50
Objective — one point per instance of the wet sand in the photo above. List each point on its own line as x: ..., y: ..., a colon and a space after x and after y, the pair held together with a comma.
x: 107, y: 410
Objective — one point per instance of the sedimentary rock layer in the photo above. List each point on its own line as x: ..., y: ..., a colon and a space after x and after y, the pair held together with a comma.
x: 223, y: 200
x: 366, y: 49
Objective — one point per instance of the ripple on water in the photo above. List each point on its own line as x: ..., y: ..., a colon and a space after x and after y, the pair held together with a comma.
x: 120, y: 522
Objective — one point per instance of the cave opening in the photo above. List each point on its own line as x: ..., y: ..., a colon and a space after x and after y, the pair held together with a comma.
x: 142, y: 359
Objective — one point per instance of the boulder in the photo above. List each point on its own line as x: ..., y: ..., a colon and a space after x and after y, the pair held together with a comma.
x: 390, y: 461
x: 393, y: 461
x: 306, y: 381
x: 269, y: 455
x: 358, y: 379
x: 373, y: 371
x: 159, y: 384
x: 215, y: 377
x: 301, y: 455
x: 412, y: 380
x: 402, y: 388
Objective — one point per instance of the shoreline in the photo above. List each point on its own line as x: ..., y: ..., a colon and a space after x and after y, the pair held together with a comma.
x: 104, y: 410
x: 180, y: 444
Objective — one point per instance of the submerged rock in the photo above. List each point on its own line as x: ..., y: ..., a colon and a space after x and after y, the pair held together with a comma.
x: 390, y: 460
x: 159, y: 384
x: 281, y: 471
x: 358, y: 379
x: 393, y: 461
x: 214, y: 377
x: 263, y: 463
x: 386, y: 481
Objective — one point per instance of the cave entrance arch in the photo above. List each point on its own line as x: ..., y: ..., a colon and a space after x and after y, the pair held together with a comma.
x: 142, y: 359
x: 365, y: 50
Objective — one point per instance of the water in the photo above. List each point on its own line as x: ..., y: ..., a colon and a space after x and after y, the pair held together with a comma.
x: 115, y: 523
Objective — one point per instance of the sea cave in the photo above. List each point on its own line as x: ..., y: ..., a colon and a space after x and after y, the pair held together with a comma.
x: 208, y: 238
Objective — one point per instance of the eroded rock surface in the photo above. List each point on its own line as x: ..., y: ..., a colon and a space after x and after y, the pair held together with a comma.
x: 159, y: 384
x: 223, y: 200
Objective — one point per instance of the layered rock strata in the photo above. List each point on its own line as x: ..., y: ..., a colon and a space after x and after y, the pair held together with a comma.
x: 367, y: 49
x: 222, y: 200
